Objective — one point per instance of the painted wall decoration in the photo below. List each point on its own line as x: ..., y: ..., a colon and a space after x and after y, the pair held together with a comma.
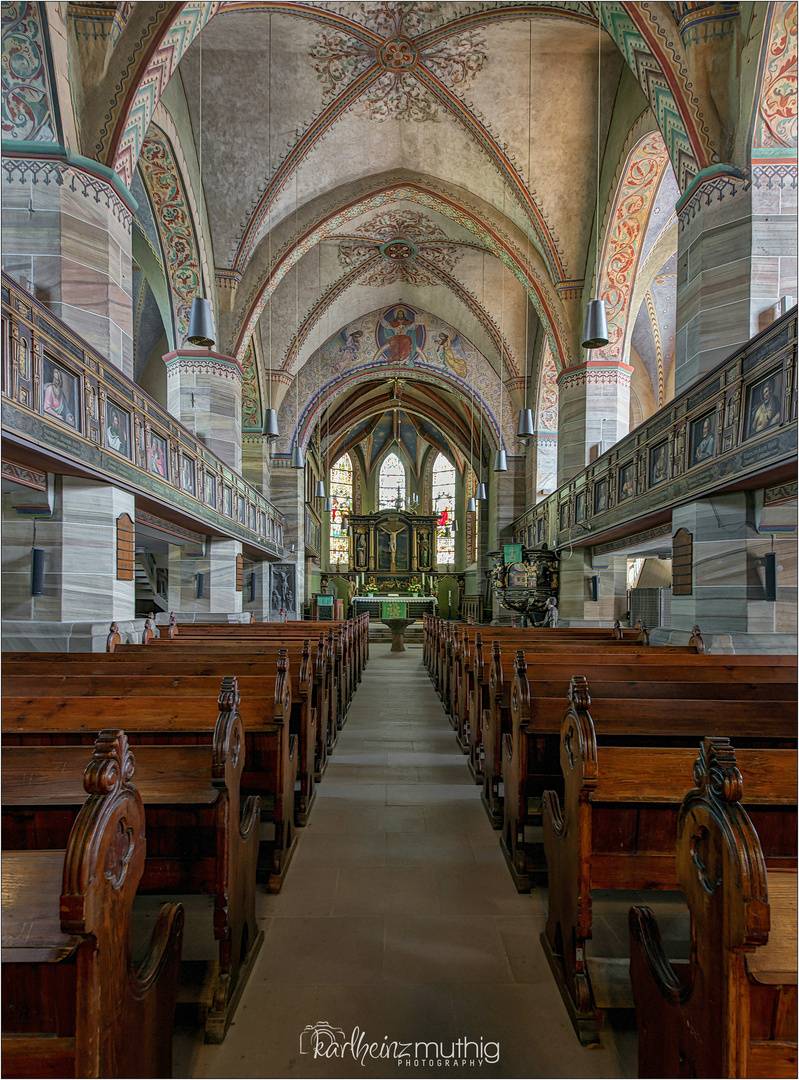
x: 132, y: 115
x: 627, y: 229
x: 402, y: 241
x: 167, y: 194
x: 398, y: 93
x: 775, y: 125
x: 27, y: 110
x: 362, y: 351
x: 251, y: 412
x: 663, y: 76
x: 546, y: 418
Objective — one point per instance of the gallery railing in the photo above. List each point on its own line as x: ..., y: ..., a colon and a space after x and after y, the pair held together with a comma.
x: 737, y: 420
x: 63, y: 397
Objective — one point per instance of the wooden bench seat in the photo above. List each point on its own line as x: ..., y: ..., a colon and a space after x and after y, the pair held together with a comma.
x: 157, y: 710
x: 72, y: 1003
x: 731, y: 1011
x: 530, y: 753
x: 202, y: 837
x: 616, y: 825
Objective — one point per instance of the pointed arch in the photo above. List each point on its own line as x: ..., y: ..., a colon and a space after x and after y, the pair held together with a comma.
x: 444, y: 484
x: 392, y: 480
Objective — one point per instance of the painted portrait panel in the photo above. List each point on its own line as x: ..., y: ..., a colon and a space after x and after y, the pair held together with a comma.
x: 626, y: 482
x: 60, y: 392
x: 658, y: 463
x: 228, y: 502
x: 564, y: 515
x: 579, y: 508
x: 187, y: 475
x: 539, y: 531
x: 703, y: 438
x: 210, y: 490
x: 763, y: 404
x: 117, y: 429
x: 601, y: 489
x: 159, y: 459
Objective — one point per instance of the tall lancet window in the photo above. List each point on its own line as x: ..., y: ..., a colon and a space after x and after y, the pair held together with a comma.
x: 341, y: 493
x: 392, y: 483
x: 444, y: 508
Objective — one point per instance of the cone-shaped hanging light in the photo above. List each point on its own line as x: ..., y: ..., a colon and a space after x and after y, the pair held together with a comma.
x: 201, y: 324
x: 480, y: 492
x: 320, y: 489
x: 297, y: 457
x: 270, y: 424
x: 471, y: 506
x: 595, y: 332
x: 525, y: 429
x: 500, y: 461
x: 328, y: 508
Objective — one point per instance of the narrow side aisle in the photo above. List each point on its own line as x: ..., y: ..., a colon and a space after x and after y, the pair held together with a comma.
x: 399, y: 921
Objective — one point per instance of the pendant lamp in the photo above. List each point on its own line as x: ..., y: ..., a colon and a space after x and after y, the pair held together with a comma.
x: 480, y: 492
x: 320, y: 489
x: 297, y: 457
x: 471, y: 506
x: 595, y: 331
x: 270, y: 424
x: 328, y: 507
x: 201, y: 324
x: 525, y: 429
x: 500, y: 461
x: 201, y: 317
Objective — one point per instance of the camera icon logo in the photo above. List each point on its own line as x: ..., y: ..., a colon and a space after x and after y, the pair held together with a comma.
x: 319, y: 1038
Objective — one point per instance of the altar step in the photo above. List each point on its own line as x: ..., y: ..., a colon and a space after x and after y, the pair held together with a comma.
x: 413, y: 634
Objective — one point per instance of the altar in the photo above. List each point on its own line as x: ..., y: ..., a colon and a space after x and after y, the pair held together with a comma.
x: 392, y: 541
x: 394, y: 607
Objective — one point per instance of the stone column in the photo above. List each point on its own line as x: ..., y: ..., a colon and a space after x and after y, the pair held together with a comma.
x: 182, y: 592
x: 593, y: 407
x: 204, y: 394
x: 260, y: 605
x: 67, y: 240
x: 728, y: 586
x: 736, y: 259
x: 256, y: 460
x: 80, y: 557
x: 222, y: 593
x: 288, y: 495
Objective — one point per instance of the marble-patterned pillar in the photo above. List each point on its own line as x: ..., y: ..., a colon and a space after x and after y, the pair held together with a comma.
x: 728, y: 562
x: 182, y: 590
x: 259, y: 605
x: 80, y: 556
x: 67, y: 240
x: 204, y: 393
x: 593, y: 408
x: 256, y: 460
x: 222, y: 592
x: 288, y: 495
x: 507, y: 499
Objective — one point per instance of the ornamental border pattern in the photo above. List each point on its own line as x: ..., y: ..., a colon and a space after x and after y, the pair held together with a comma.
x: 185, y: 365
x: 595, y: 378
x: 714, y: 189
x: 37, y: 170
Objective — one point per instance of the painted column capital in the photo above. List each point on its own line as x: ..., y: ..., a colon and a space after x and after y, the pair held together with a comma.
x: 202, y: 362
x: 595, y: 372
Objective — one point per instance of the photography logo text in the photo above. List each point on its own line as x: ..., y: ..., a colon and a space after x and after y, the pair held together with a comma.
x: 322, y: 1040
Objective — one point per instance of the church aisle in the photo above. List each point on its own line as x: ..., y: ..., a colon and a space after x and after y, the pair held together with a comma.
x: 399, y: 920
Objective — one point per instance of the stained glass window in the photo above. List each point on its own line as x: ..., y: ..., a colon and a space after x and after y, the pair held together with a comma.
x: 444, y: 508
x: 392, y: 482
x: 341, y: 493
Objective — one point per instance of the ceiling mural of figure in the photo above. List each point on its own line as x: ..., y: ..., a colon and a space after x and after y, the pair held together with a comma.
x: 349, y: 352
x: 400, y: 335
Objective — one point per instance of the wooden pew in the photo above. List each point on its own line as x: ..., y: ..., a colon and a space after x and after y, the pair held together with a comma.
x: 495, y: 691
x: 616, y: 825
x: 530, y: 752
x: 305, y: 678
x: 176, y: 709
x: 72, y: 1002
x: 203, y: 837
x: 731, y: 1011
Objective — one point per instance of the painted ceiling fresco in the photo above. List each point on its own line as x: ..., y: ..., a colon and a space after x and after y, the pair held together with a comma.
x: 396, y: 342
